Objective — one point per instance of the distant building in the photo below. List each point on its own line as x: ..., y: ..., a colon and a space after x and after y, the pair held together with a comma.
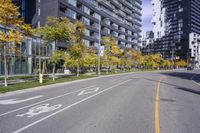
x: 147, y: 38
x: 173, y: 21
x: 195, y: 49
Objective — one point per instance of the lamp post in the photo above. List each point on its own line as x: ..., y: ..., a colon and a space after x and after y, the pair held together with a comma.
x: 99, y: 48
x: 99, y: 57
x: 198, y: 55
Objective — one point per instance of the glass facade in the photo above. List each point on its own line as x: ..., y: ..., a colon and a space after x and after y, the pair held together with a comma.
x: 25, y: 58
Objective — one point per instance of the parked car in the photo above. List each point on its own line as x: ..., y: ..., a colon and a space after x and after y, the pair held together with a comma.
x: 190, y: 68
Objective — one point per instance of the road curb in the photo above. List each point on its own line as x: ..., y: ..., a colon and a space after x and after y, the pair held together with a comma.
x: 69, y: 82
x: 57, y: 84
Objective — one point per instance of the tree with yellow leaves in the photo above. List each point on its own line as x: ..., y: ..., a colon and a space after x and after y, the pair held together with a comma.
x: 77, y: 49
x: 75, y: 56
x: 55, y: 58
x: 13, y: 29
x: 57, y: 30
x: 112, y: 52
x: 126, y: 60
x: 181, y: 63
x: 89, y: 58
x: 166, y: 64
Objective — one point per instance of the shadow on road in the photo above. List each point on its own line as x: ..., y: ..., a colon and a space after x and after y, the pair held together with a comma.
x: 182, y: 75
x: 193, y: 75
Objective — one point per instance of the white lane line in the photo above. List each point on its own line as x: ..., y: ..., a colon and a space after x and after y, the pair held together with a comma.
x: 12, y: 111
x: 76, y: 103
x: 15, y: 101
x: 193, y: 78
x: 113, y: 80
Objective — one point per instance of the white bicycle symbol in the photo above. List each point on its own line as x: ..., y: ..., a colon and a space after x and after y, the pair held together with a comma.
x: 40, y: 109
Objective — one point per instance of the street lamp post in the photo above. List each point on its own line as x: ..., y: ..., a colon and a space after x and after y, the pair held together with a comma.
x: 99, y: 57
x: 198, y: 55
x: 99, y: 48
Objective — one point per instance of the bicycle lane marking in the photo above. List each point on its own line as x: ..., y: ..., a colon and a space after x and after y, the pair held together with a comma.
x: 69, y: 106
x: 49, y: 99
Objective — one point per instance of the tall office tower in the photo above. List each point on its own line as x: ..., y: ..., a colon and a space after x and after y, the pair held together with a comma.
x: 118, y: 18
x: 178, y: 18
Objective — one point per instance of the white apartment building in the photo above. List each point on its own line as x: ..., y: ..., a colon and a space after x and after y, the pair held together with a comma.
x: 147, y: 38
x: 158, y: 19
x: 194, y: 45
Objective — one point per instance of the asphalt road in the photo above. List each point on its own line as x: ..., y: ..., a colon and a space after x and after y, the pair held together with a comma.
x: 150, y: 102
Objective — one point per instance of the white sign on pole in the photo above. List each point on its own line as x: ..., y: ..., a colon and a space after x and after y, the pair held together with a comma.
x: 101, y: 50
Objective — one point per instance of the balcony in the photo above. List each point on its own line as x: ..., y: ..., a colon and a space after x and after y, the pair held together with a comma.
x: 107, y: 4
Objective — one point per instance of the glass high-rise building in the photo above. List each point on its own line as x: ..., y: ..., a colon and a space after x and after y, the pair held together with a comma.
x: 173, y: 21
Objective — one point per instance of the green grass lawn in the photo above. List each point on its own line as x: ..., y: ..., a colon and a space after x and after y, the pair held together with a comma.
x: 48, y: 81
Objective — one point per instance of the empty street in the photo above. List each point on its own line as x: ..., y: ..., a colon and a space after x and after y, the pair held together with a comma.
x: 148, y: 102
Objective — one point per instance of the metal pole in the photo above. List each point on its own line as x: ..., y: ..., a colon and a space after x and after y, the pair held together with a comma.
x: 99, y: 58
x: 5, y: 66
x: 198, y: 54
x: 173, y: 58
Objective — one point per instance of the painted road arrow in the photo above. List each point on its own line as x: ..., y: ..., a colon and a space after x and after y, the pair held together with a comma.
x: 15, y: 101
x: 87, y: 91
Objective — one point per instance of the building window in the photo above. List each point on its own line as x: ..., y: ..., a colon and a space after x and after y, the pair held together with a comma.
x: 107, y: 30
x: 129, y: 32
x: 38, y: 24
x: 122, y: 29
x: 38, y: 11
x: 85, y: 9
x: 71, y: 13
x: 115, y: 34
x: 85, y: 20
x: 115, y: 26
x: 96, y: 25
x: 86, y: 42
x: 62, y: 7
x: 72, y: 2
x: 87, y: 32
x: 96, y: 35
x: 97, y: 16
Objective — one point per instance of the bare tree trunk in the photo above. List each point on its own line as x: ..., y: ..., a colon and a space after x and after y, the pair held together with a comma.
x: 54, y: 68
x: 77, y: 70
x: 107, y: 64
x: 5, y: 67
x: 39, y: 67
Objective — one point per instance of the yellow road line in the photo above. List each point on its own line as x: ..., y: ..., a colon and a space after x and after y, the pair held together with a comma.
x: 157, y: 121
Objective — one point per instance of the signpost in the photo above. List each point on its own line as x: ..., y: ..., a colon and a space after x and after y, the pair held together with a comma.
x: 101, y: 51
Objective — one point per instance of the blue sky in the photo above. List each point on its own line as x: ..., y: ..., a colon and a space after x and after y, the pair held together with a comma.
x: 146, y: 15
